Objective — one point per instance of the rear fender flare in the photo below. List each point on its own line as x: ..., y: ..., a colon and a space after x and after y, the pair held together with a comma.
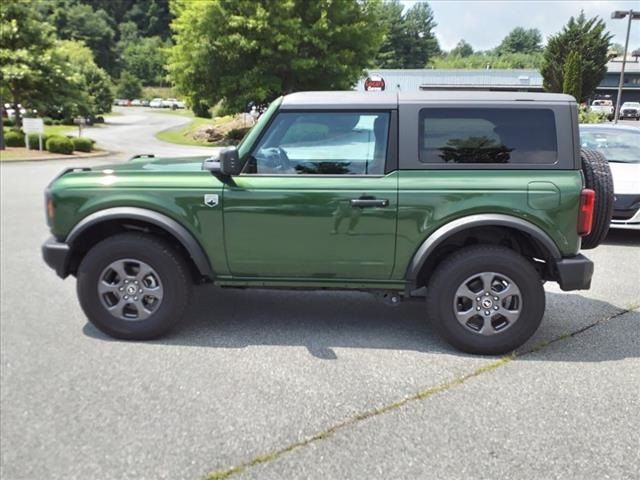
x: 481, y: 220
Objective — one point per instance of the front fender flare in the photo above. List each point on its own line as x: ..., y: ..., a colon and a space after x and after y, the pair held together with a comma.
x: 160, y: 220
x: 480, y: 220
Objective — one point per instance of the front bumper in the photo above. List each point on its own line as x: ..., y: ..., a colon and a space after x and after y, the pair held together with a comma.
x: 574, y: 273
x: 56, y: 255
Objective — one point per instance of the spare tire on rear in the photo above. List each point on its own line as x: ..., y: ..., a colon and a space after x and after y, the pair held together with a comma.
x: 597, y: 177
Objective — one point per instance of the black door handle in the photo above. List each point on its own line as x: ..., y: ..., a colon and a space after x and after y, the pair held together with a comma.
x: 369, y: 202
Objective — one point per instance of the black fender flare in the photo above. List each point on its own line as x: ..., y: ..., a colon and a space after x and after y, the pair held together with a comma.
x: 160, y: 220
x: 429, y: 245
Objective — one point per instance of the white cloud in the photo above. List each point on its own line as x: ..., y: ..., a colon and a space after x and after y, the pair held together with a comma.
x: 485, y: 23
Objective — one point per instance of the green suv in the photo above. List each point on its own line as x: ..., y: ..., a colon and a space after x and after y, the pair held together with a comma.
x: 473, y: 200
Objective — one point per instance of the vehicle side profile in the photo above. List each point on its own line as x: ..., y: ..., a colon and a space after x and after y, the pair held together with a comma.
x: 472, y: 199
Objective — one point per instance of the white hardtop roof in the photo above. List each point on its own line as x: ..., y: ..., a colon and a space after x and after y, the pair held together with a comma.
x: 345, y: 99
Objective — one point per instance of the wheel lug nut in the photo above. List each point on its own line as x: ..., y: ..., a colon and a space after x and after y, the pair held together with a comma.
x: 495, y: 308
x: 136, y: 282
x: 126, y: 297
x: 477, y: 308
x: 477, y: 299
x: 135, y: 298
x: 487, y: 312
x: 487, y: 294
x: 140, y: 291
x: 121, y: 289
x: 496, y: 298
x: 126, y: 281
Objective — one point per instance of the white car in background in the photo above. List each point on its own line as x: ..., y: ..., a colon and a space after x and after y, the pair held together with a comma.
x: 621, y: 147
x: 604, y: 107
x: 630, y: 110
x: 172, y: 103
x: 156, y: 103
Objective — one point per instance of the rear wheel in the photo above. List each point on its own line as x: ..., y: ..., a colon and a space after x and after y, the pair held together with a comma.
x: 597, y: 176
x: 485, y: 299
x: 133, y: 286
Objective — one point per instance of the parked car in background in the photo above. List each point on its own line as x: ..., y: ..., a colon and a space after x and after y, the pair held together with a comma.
x: 172, y: 103
x: 630, y: 110
x: 156, y: 103
x: 603, y: 106
x: 136, y: 102
x: 621, y: 147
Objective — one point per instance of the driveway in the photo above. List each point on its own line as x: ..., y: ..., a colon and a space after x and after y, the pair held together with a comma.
x: 132, y: 131
x: 266, y: 384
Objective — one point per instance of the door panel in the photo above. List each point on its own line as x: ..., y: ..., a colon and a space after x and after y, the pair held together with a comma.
x: 306, y: 226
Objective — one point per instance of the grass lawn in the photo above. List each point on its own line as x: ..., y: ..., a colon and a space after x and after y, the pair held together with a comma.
x: 62, y: 130
x: 182, y: 135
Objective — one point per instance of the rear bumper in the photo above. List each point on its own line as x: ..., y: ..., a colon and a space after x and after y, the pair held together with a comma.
x: 56, y: 255
x: 574, y: 273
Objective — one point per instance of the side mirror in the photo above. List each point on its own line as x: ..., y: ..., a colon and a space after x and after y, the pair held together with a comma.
x: 226, y: 163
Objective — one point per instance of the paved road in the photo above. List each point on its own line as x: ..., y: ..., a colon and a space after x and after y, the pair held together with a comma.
x: 355, y: 389
x: 132, y: 132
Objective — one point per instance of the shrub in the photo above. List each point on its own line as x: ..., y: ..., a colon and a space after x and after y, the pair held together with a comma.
x: 47, y: 121
x: 34, y: 143
x: 14, y: 138
x: 99, y: 119
x: 8, y: 122
x: 56, y: 122
x: 59, y: 144
x: 237, y: 134
x: 67, y: 121
x: 588, y: 116
x: 82, y: 144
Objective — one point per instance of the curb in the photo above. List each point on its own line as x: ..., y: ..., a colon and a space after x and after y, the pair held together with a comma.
x: 100, y: 153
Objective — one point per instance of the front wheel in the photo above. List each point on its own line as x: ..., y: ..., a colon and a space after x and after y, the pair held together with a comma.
x: 485, y: 299
x: 133, y: 286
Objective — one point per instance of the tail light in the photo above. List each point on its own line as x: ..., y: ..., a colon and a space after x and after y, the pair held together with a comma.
x: 585, y: 217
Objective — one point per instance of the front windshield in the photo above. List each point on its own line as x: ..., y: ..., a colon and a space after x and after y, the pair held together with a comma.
x: 621, y: 146
x: 245, y: 144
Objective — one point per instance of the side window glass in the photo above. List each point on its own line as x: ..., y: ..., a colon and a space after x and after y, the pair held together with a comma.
x: 488, y: 135
x: 323, y: 143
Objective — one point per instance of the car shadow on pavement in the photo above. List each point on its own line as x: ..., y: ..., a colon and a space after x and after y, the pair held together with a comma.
x: 622, y: 237
x: 323, y: 321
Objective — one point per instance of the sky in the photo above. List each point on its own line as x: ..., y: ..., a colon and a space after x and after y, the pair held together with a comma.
x: 484, y: 24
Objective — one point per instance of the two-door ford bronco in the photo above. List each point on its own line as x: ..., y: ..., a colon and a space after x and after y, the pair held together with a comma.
x: 472, y: 199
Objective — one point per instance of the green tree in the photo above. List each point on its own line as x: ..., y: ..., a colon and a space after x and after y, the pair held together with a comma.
x: 591, y: 41
x: 409, y: 41
x: 29, y: 74
x: 481, y: 60
x: 391, y: 21
x: 421, y: 44
x: 146, y: 58
x: 521, y: 40
x: 572, y: 83
x: 245, y: 50
x: 462, y: 49
x: 76, y: 21
x: 92, y: 89
x: 129, y: 86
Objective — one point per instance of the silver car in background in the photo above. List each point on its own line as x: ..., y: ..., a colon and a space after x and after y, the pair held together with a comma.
x: 621, y: 147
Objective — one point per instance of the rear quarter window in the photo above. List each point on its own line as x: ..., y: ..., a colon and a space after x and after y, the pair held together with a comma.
x: 520, y: 136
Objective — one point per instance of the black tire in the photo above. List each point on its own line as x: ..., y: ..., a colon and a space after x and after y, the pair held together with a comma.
x: 466, y: 263
x: 166, y: 263
x: 597, y: 176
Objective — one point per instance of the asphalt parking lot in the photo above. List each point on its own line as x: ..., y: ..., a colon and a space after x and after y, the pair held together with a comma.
x: 262, y: 384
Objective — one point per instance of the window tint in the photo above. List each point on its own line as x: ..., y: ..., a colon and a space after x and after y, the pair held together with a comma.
x: 488, y: 135
x: 327, y: 143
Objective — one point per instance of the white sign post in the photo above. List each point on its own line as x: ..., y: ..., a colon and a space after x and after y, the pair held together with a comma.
x: 33, y: 125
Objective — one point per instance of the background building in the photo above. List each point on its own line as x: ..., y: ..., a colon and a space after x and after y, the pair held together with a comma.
x: 513, y: 80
